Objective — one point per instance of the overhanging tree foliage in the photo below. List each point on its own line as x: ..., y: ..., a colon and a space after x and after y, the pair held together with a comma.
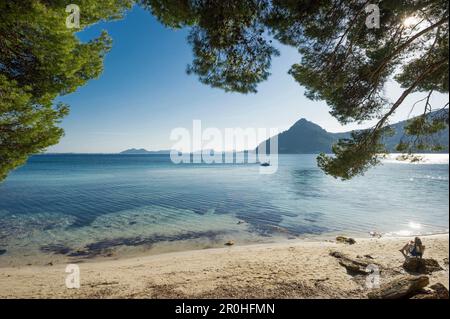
x: 40, y: 59
x: 343, y: 61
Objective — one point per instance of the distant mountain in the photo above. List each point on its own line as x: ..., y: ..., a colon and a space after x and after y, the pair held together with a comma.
x: 142, y: 151
x: 305, y: 137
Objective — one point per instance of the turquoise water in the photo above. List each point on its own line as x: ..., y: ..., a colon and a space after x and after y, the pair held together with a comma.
x: 83, y: 206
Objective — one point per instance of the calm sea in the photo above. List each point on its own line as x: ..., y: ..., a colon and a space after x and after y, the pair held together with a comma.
x: 84, y: 206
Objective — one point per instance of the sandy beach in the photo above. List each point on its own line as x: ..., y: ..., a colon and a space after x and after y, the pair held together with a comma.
x: 293, y: 269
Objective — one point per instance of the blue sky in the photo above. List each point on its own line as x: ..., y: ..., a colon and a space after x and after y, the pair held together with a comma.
x: 144, y: 93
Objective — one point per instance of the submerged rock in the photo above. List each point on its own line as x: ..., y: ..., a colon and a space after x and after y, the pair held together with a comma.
x: 279, y: 229
x: 2, y: 251
x: 405, y: 286
x: 421, y: 265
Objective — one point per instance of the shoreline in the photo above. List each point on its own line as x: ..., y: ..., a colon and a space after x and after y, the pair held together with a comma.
x: 292, y: 269
x: 116, y: 252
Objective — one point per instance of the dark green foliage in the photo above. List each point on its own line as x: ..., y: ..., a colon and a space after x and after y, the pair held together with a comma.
x: 353, y: 156
x: 25, y: 128
x: 172, y: 13
x: 40, y: 59
x: 426, y: 132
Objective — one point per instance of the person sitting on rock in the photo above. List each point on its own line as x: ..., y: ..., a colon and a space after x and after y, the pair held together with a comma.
x: 418, y: 248
x: 413, y: 248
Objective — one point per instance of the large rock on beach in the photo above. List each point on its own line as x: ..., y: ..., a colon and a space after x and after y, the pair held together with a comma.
x: 421, y: 265
x: 436, y: 291
x: 440, y: 290
x: 354, y: 266
x: 405, y: 286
